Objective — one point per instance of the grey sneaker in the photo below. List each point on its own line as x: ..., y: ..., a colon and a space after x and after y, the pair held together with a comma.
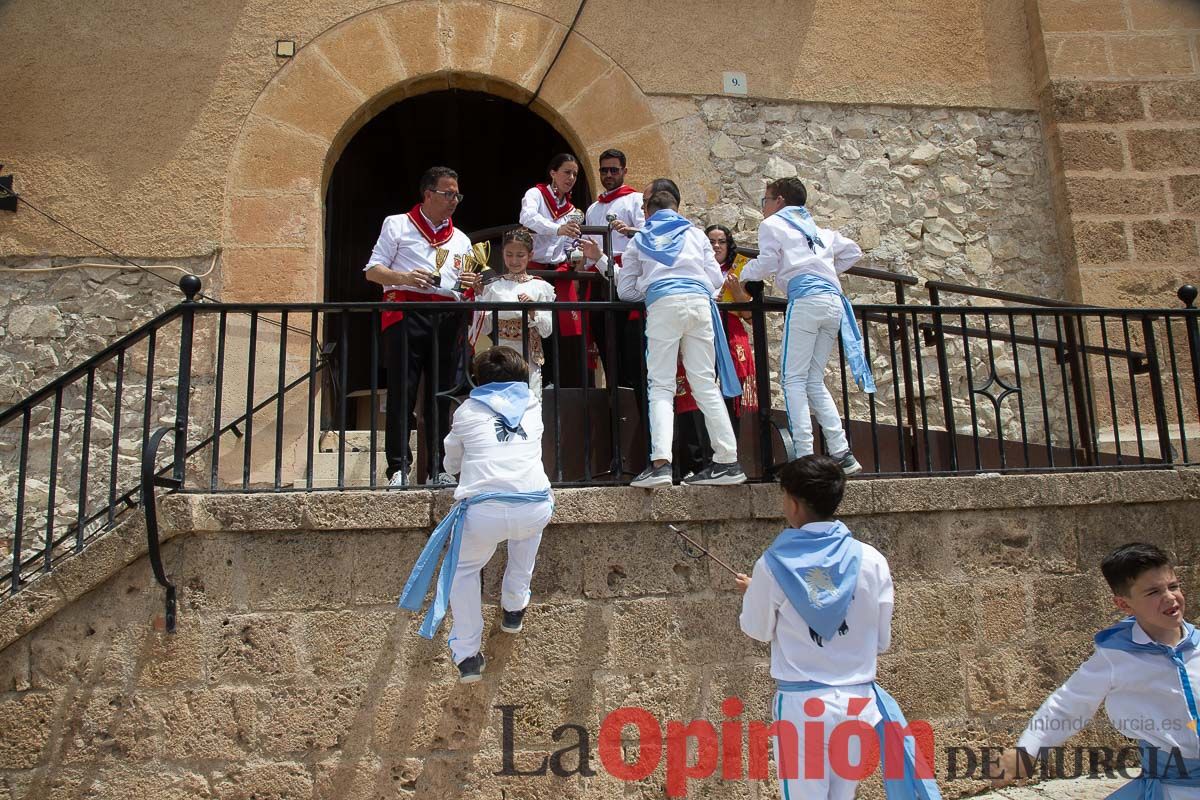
x: 653, y: 476
x: 399, y: 478
x: 444, y: 479
x: 513, y: 621
x: 848, y: 463
x: 718, y: 475
x: 470, y: 670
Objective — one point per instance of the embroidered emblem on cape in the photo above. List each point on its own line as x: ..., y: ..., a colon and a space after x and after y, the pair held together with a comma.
x: 820, y: 586
x: 505, y: 433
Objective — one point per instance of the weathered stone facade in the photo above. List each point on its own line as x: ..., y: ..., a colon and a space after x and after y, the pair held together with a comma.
x: 943, y: 194
x: 292, y: 675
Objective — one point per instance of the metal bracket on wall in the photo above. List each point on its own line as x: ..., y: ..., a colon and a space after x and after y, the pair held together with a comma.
x: 8, y: 198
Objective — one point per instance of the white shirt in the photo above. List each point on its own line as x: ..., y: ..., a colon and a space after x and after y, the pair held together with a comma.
x: 506, y: 291
x: 696, y: 260
x: 783, y: 252
x: 548, y: 246
x: 846, y: 659
x: 403, y: 248
x: 1141, y: 694
x: 627, y: 208
x: 477, y: 452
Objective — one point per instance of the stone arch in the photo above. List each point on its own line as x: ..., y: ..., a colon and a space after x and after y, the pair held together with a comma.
x: 272, y: 229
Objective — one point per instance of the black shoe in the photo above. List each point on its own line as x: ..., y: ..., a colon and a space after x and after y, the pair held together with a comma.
x: 718, y: 475
x: 470, y: 670
x: 513, y: 621
x: 653, y: 476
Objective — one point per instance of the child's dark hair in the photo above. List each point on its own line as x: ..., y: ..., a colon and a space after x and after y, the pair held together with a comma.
x: 1124, y: 565
x: 499, y: 365
x: 518, y: 235
x: 815, y: 480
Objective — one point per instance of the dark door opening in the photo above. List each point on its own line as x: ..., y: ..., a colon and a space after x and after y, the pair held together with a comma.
x: 499, y: 149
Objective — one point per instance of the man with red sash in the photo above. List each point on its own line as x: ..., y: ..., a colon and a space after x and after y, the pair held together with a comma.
x: 620, y: 208
x: 418, y: 259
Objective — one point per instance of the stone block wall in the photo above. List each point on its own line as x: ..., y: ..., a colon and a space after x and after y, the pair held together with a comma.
x: 293, y: 676
x: 1119, y: 82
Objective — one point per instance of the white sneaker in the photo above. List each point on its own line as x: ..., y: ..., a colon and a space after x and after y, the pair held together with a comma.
x: 444, y: 479
x: 399, y: 479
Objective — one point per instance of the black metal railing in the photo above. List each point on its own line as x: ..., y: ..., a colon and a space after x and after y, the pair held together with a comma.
x: 262, y: 398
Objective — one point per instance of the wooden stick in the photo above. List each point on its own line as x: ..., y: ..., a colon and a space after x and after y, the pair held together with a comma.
x: 705, y: 551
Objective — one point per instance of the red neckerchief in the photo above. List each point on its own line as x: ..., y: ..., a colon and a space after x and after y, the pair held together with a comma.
x: 620, y: 191
x: 434, y: 238
x: 556, y: 211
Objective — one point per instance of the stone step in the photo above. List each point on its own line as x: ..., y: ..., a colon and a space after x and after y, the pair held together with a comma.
x: 1106, y: 439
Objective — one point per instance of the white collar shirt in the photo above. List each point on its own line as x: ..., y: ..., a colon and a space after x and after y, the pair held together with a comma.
x: 784, y: 253
x: 695, y: 260
x: 845, y: 660
x: 402, y: 247
x: 548, y: 246
x: 1142, y: 696
x: 626, y: 208
x: 487, y: 458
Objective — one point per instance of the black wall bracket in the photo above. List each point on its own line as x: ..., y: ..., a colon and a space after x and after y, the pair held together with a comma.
x: 8, y: 198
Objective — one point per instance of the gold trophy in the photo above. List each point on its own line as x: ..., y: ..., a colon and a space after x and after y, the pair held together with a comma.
x: 475, y: 261
x: 440, y: 255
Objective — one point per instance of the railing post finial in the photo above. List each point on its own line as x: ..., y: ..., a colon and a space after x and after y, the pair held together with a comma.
x: 1187, y: 293
x: 190, y: 286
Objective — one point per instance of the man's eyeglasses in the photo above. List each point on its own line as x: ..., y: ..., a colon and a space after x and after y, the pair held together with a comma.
x: 610, y: 170
x: 449, y: 195
x: 765, y: 200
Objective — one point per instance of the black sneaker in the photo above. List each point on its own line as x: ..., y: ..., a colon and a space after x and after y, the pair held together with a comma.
x: 848, y: 463
x: 718, y: 475
x: 653, y: 476
x: 470, y: 670
x: 513, y: 621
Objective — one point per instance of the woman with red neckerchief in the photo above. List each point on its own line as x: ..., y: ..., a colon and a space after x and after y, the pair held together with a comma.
x: 546, y: 210
x: 692, y: 448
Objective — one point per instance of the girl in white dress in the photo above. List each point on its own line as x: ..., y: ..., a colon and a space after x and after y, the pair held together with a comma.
x: 518, y: 286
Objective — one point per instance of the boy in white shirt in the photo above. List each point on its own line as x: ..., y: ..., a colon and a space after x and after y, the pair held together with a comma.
x: 806, y: 261
x: 823, y: 600
x: 670, y: 265
x: 495, y: 447
x: 1146, y: 672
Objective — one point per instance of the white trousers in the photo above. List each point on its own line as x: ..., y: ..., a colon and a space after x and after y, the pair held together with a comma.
x: 789, y: 706
x: 486, y: 525
x: 811, y: 332
x: 684, y: 322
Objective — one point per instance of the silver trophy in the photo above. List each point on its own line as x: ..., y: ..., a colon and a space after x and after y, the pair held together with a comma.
x: 575, y: 249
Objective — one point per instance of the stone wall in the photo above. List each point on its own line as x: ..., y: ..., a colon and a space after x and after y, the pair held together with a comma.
x: 292, y: 675
x: 1119, y: 86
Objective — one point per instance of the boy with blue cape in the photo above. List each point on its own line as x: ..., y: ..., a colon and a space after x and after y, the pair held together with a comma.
x: 670, y: 265
x: 805, y: 261
x: 1146, y: 672
x: 823, y: 600
x: 495, y: 447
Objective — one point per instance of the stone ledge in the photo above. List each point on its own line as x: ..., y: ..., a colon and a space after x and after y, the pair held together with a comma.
x: 364, y: 510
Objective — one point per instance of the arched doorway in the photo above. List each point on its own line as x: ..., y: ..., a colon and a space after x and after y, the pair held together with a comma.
x: 499, y: 148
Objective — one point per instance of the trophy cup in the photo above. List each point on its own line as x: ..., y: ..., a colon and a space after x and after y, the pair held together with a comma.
x: 475, y: 261
x: 575, y: 249
x: 440, y: 255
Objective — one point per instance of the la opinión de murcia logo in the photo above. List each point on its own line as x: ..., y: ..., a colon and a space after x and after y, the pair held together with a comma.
x: 696, y: 750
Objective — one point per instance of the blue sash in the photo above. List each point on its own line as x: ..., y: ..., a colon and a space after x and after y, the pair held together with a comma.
x: 817, y: 570
x: 662, y: 237
x: 808, y: 285
x: 799, y: 218
x: 448, y: 535
x: 907, y: 787
x: 1159, y: 770
x: 731, y: 386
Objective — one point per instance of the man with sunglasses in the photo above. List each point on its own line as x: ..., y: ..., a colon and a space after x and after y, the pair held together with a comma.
x: 620, y: 208
x: 418, y: 258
